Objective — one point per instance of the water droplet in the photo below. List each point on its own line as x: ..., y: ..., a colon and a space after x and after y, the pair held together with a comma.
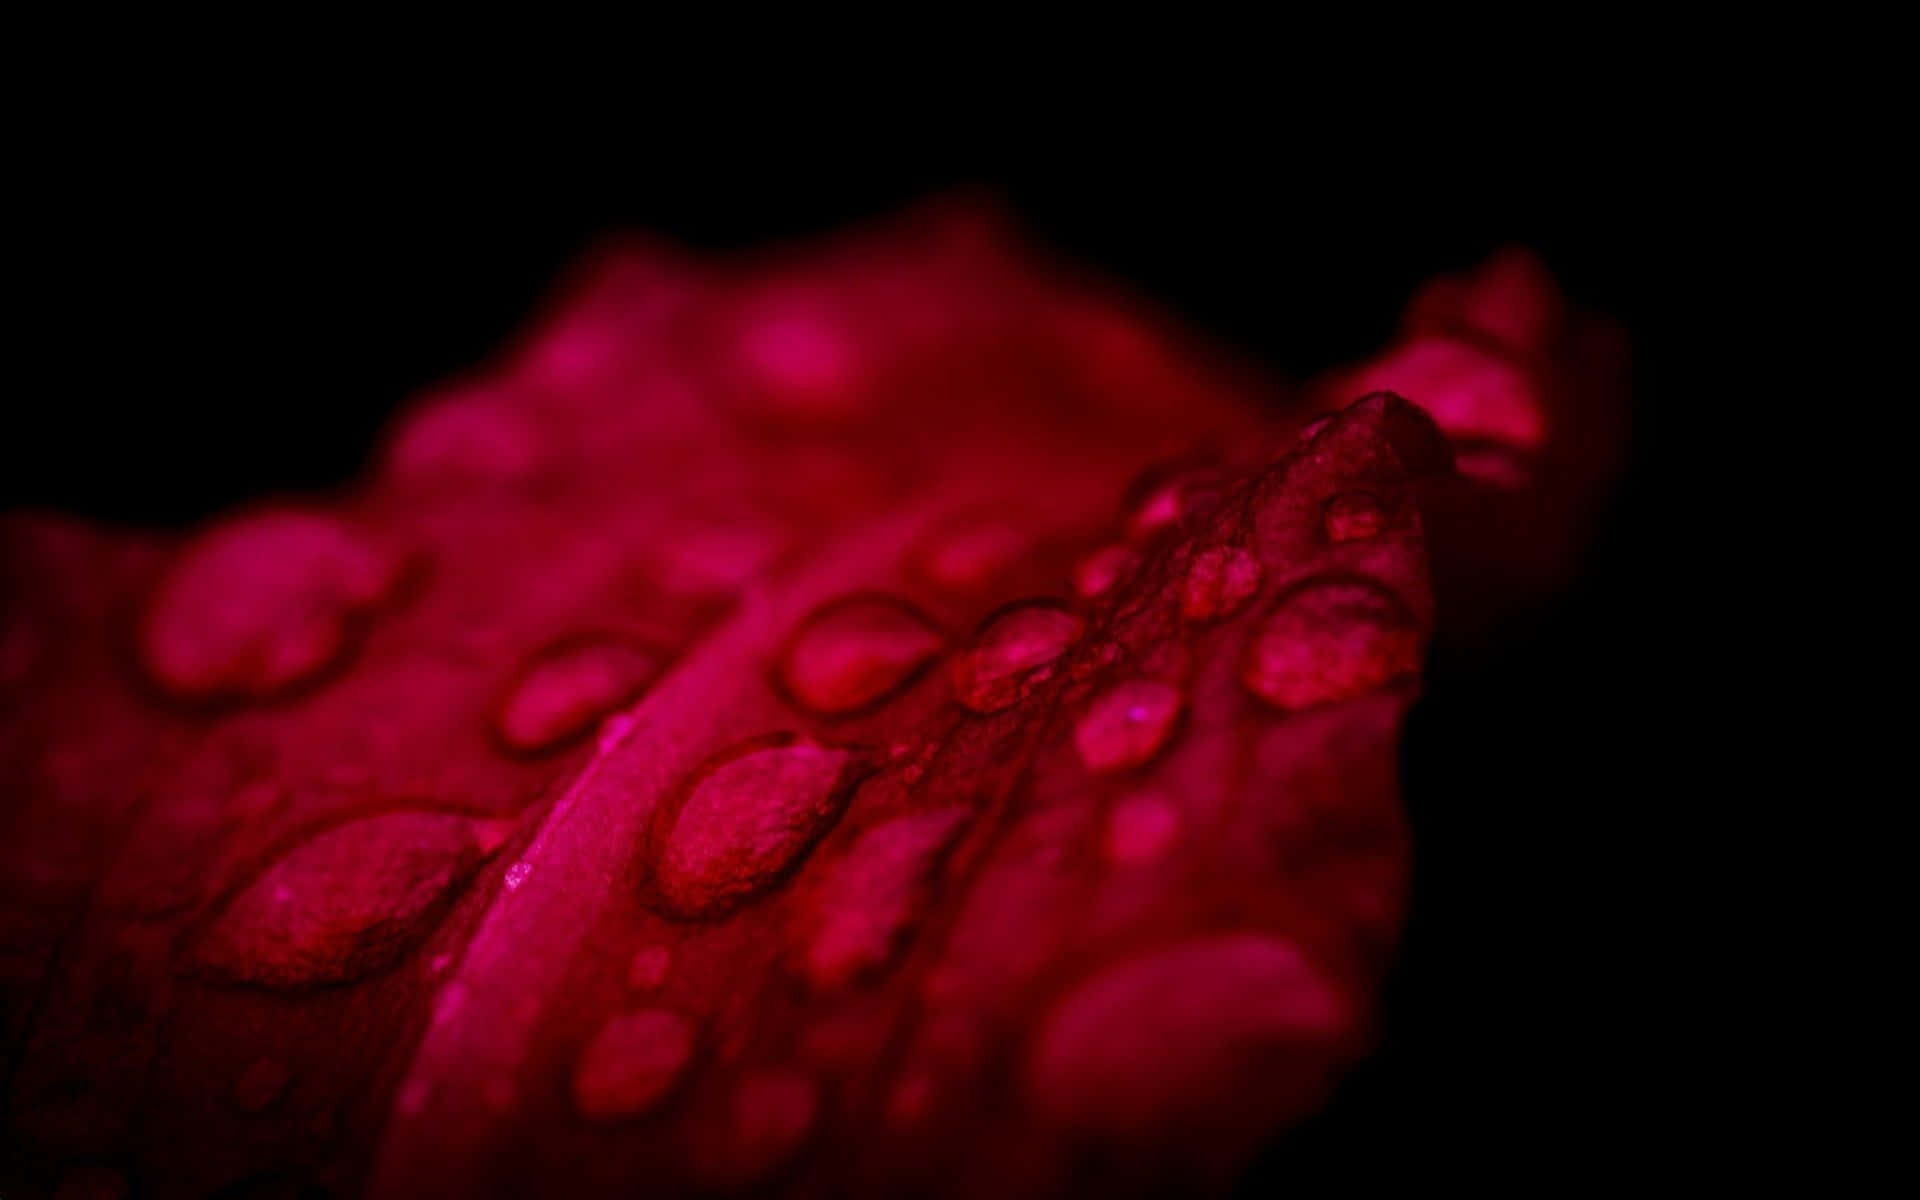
x: 1219, y: 580
x: 1140, y: 829
x: 1314, y: 427
x: 1169, y: 494
x: 717, y: 559
x: 1166, y: 1036
x: 517, y: 875
x: 749, y: 817
x: 475, y: 436
x: 1127, y: 724
x: 631, y: 1064
x: 770, y: 1117
x: 569, y: 686
x: 970, y: 553
x: 1330, y: 640
x: 347, y: 903
x: 649, y: 968
x: 262, y: 1083
x: 259, y: 604
x: 799, y: 359
x: 1470, y: 393
x: 874, y: 893
x: 1353, y: 517
x: 1013, y: 654
x: 856, y: 651
x: 1098, y: 572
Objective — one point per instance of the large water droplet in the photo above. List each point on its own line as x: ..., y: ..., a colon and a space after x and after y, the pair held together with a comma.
x: 1169, y: 1035
x: 1353, y: 517
x: 632, y: 1064
x: 1096, y: 574
x: 260, y: 604
x: 1127, y: 724
x: 856, y: 651
x: 873, y: 894
x: 1013, y: 654
x: 343, y: 905
x: 749, y: 817
x: 1330, y: 640
x: 1219, y: 580
x: 569, y: 686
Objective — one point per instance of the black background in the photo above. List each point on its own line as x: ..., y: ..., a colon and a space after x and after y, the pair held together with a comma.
x: 214, y: 318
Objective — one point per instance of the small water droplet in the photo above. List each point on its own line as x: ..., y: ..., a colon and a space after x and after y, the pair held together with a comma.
x: 751, y: 814
x: 856, y: 651
x: 1140, y: 829
x: 1013, y: 654
x: 1098, y: 572
x: 971, y: 552
x: 517, y: 875
x: 872, y: 895
x: 440, y: 963
x: 1168, y: 495
x: 771, y: 1115
x: 800, y: 361
x: 261, y: 1084
x: 569, y: 686
x: 1314, y: 427
x: 632, y: 1064
x: 1126, y: 725
x: 1353, y: 517
x: 1330, y: 640
x: 1219, y: 580
x: 717, y: 559
x: 260, y: 604
x: 649, y: 968
x: 467, y: 437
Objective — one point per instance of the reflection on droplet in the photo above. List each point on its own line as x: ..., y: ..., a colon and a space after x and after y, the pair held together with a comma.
x: 1352, y: 517
x: 750, y: 815
x: 854, y: 652
x: 1096, y: 574
x: 1127, y: 724
x: 1219, y: 580
x: 1330, y: 640
x: 631, y: 1064
x: 568, y: 686
x: 260, y: 604
x: 517, y: 875
x: 1168, y: 495
x: 1013, y: 654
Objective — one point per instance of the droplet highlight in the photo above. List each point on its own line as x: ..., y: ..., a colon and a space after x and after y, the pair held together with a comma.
x: 1127, y: 725
x: 749, y: 816
x: 855, y: 652
x: 1095, y: 575
x: 1013, y: 654
x: 1330, y: 640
